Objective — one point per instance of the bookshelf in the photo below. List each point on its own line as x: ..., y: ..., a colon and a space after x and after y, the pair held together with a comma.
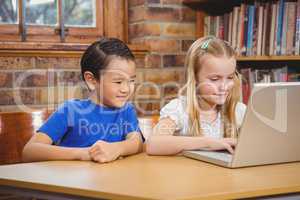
x: 215, y: 7
x: 265, y: 59
x: 268, y: 58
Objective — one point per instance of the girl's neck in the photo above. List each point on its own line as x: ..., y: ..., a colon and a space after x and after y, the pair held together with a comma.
x: 207, y: 107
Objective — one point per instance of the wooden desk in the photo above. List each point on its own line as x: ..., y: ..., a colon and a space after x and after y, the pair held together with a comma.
x: 149, y: 177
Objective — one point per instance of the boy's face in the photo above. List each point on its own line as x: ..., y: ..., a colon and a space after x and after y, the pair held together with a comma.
x: 216, y: 78
x: 116, y: 84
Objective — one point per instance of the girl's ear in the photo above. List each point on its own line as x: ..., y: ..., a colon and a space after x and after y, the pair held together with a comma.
x: 90, y: 80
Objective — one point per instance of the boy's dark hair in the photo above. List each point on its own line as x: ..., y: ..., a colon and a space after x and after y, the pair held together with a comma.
x: 98, y: 55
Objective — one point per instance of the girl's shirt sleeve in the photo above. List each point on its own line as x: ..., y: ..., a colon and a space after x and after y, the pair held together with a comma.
x: 173, y: 110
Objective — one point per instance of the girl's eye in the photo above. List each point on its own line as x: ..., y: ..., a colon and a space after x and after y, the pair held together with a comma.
x: 214, y: 79
x: 118, y: 82
x: 132, y: 81
x: 230, y: 77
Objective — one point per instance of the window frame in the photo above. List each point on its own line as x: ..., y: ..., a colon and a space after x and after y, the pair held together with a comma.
x: 41, y: 33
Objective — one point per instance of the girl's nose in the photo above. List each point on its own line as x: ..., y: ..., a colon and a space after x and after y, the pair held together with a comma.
x: 223, y: 85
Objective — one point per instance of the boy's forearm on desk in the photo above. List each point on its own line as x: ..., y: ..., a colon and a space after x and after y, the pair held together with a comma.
x: 39, y: 152
x: 129, y: 146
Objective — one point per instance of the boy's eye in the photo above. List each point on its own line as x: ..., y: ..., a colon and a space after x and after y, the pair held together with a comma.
x: 120, y: 82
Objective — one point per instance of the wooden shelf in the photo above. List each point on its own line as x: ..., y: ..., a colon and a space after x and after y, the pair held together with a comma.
x: 268, y: 58
x: 56, y: 49
x: 214, y: 7
x: 187, y: 2
x: 201, y: 2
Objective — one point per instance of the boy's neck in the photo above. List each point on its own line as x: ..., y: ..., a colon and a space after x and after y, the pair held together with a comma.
x: 93, y: 97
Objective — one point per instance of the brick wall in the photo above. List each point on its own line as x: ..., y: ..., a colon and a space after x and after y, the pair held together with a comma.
x: 166, y: 26
x: 38, y: 82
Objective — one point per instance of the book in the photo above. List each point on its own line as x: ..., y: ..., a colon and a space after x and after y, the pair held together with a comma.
x: 226, y: 26
x: 230, y: 28
x: 284, y: 29
x: 245, y: 34
x: 236, y: 11
x: 221, y: 27
x: 217, y: 26
x: 297, y: 34
x: 206, y: 27
x: 246, y: 84
x: 290, y: 48
x: 279, y: 27
x: 260, y: 30
x: 240, y: 33
x: 262, y: 76
x: 273, y: 27
x: 249, y: 46
x: 265, y: 26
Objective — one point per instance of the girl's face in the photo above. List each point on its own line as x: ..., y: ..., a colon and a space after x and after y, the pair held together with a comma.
x: 215, y: 79
x: 116, y: 83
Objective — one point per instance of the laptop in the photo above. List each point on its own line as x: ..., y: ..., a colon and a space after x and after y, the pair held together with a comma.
x: 270, y: 131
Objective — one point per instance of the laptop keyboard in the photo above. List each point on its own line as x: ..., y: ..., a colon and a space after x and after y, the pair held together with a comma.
x: 224, y: 156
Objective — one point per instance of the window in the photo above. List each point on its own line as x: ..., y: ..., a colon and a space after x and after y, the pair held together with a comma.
x: 51, y: 20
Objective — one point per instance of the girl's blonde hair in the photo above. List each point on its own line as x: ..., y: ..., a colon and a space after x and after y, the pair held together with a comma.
x: 218, y: 48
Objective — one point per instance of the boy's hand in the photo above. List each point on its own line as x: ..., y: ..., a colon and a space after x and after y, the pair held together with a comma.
x: 103, y: 152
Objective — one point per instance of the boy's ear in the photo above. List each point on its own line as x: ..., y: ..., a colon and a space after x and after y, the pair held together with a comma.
x: 90, y: 80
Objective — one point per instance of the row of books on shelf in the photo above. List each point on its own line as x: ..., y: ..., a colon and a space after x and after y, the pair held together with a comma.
x: 250, y: 76
x: 261, y: 28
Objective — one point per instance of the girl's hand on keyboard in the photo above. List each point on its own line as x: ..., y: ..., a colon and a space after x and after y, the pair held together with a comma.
x: 220, y: 144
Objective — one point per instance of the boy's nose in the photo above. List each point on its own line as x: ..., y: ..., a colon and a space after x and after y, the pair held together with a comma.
x: 125, y: 88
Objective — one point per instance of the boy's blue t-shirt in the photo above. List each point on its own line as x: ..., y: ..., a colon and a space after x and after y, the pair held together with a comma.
x: 80, y: 123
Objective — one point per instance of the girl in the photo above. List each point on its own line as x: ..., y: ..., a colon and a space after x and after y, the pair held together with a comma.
x: 209, y: 111
x: 101, y: 128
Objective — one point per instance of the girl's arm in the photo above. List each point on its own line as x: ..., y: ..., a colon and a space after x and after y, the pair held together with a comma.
x: 162, y: 141
x: 40, y: 148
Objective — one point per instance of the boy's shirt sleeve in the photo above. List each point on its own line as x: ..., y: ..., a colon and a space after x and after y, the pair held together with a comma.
x: 57, y: 124
x: 133, y: 123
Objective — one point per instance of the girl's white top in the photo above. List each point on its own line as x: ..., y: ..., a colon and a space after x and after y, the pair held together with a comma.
x: 176, y: 110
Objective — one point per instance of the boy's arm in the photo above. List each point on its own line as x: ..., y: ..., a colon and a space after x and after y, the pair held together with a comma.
x: 103, y: 151
x: 132, y: 145
x: 40, y: 148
